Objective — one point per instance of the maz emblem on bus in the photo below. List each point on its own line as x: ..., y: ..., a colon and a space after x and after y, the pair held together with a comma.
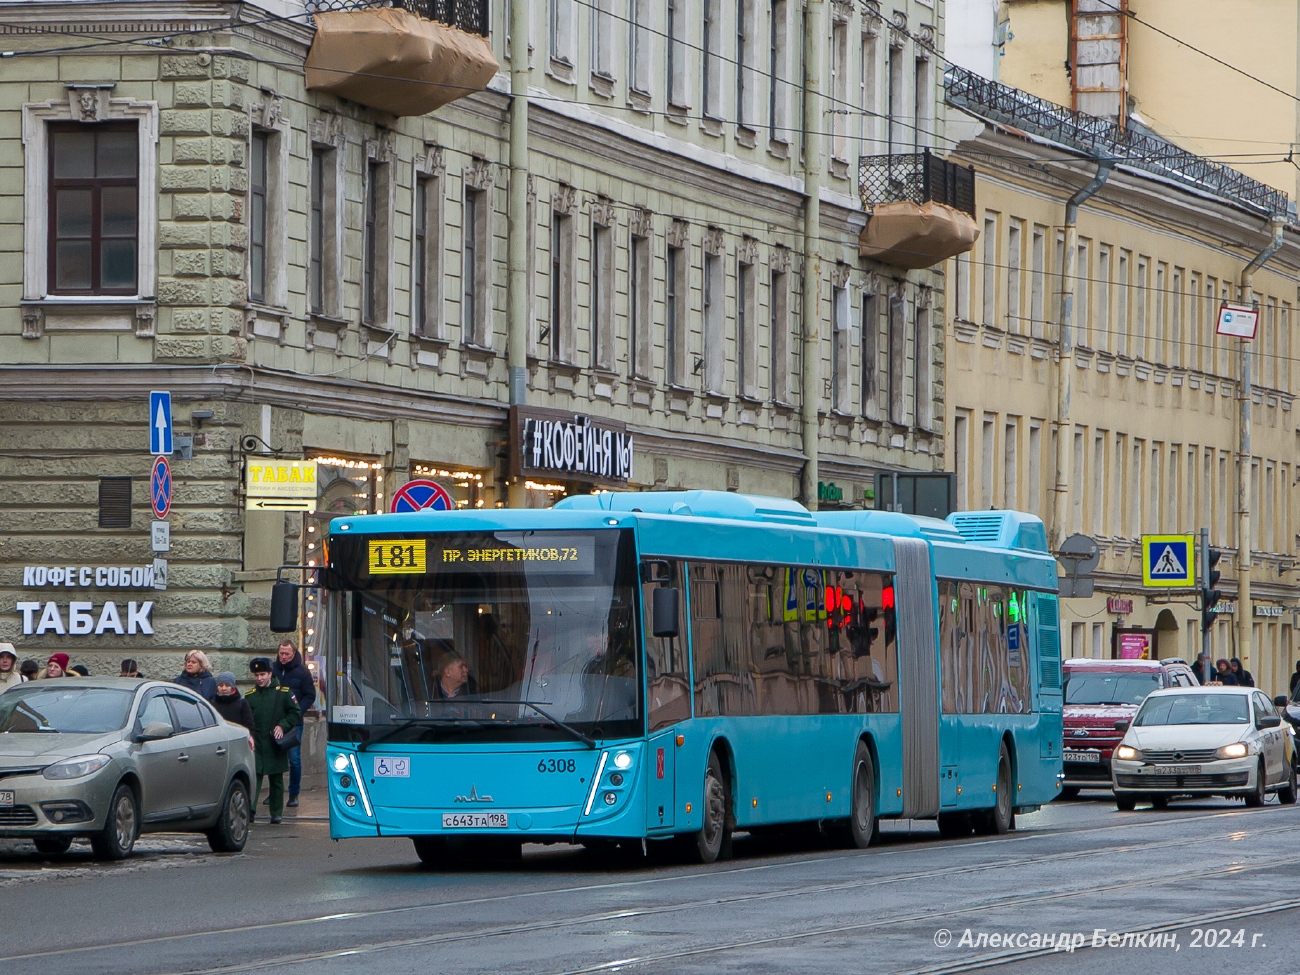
x: 473, y: 796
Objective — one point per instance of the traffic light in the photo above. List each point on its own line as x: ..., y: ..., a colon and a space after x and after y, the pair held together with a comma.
x: 1210, y: 596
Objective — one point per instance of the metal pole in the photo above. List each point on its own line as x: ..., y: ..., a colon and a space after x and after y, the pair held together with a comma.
x: 1205, y: 587
x: 1246, y: 395
x: 1065, y: 354
x: 812, y: 277
x: 517, y: 220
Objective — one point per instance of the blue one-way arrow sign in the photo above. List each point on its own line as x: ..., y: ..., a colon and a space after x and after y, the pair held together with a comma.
x: 160, y: 422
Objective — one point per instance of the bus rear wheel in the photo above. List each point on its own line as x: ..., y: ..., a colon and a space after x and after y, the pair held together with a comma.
x: 862, y: 828
x: 1001, y: 818
x: 713, y: 841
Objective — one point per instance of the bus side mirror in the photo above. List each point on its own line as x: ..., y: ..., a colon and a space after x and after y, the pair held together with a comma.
x: 284, y: 607
x: 665, y: 609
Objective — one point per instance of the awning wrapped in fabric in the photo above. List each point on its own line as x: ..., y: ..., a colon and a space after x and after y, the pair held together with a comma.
x: 916, y: 235
x: 396, y: 62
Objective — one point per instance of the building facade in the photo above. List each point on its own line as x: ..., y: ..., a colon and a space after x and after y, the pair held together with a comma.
x: 313, y: 278
x: 1152, y: 416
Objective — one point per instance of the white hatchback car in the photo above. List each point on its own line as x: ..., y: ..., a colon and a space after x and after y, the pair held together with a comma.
x: 1203, y: 741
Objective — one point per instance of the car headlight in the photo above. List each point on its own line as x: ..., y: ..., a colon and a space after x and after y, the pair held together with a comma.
x: 76, y: 768
x: 1237, y: 749
x: 1128, y: 753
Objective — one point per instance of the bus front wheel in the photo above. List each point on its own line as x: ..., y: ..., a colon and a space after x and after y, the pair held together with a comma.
x: 713, y: 841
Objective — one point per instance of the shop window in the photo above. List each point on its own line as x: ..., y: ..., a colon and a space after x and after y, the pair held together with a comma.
x: 347, y: 486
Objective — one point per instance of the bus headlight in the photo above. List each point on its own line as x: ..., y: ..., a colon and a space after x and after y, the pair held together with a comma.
x: 623, y: 761
x: 340, y: 763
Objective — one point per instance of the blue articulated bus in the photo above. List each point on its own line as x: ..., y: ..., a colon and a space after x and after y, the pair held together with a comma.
x: 636, y: 667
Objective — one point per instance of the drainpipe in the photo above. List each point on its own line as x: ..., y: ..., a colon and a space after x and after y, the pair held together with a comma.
x: 1246, y: 296
x: 517, y: 221
x: 811, y: 358
x: 1065, y: 353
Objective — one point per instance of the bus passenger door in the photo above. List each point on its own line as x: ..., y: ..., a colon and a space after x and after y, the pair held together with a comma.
x: 661, y: 796
x: 668, y: 690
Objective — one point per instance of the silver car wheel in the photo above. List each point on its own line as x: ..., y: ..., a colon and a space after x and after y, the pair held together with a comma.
x: 124, y: 821
x: 237, y: 816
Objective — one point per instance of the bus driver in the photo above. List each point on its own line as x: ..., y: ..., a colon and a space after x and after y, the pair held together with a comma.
x: 454, y: 679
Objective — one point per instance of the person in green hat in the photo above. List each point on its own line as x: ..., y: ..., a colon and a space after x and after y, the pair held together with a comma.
x: 275, y: 712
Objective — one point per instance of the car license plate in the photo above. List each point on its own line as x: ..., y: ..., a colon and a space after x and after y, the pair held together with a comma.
x: 475, y: 820
x: 1071, y: 755
x: 6, y: 798
x: 1175, y: 770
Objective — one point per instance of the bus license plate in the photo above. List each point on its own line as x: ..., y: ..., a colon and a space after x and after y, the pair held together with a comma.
x: 475, y: 820
x: 1072, y: 755
x: 6, y: 798
x: 1176, y: 770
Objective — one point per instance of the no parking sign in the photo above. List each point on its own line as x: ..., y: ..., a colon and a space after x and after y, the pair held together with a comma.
x: 421, y: 495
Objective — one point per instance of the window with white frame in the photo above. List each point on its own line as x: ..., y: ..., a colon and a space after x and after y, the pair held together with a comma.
x: 1123, y: 293
x: 426, y: 255
x: 377, y: 267
x: 870, y: 88
x: 675, y: 268
x: 325, y: 223
x: 476, y: 268
x: 602, y: 38
x: 961, y: 457
x: 923, y: 371
x: 602, y: 297
x: 902, y: 131
x: 870, y: 358
x: 675, y: 66
x: 778, y: 86
x: 746, y: 55
x: 839, y: 109
x: 1102, y: 339
x: 897, y: 358
x: 562, y: 31
x: 988, y: 441
x: 640, y: 41
x: 1139, y: 302
x: 90, y: 186
x: 710, y: 59
x: 841, y: 343
x: 990, y: 269
x: 923, y: 110
x: 715, y: 351
x: 1082, y: 292
x: 1011, y: 462
x: 640, y: 307
x: 746, y: 340
x: 559, y: 330
x: 1015, y: 258
x: 961, y: 299
x: 779, y: 334
x: 1038, y: 283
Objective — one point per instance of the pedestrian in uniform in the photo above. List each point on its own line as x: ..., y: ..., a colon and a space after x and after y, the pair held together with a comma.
x: 274, y: 712
x: 10, y: 675
x: 291, y: 671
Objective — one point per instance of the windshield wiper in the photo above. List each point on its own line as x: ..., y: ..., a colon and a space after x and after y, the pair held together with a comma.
x: 585, y: 739
x: 397, y: 729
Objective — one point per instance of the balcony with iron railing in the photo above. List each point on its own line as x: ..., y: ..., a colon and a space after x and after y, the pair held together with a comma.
x: 404, y: 57
x: 921, y: 206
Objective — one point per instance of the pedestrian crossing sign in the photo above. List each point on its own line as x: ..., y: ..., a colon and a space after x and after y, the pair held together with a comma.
x: 1169, y: 560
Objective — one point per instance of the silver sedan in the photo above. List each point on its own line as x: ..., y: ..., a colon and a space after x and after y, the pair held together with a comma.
x: 110, y: 758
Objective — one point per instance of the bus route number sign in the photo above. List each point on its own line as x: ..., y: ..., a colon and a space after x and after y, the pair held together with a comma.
x: 397, y: 557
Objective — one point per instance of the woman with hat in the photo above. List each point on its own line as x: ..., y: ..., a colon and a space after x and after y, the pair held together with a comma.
x: 275, y: 712
x: 230, y: 704
x: 57, y: 665
x: 10, y: 675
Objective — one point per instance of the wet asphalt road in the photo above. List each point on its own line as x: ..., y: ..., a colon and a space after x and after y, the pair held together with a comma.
x: 295, y: 902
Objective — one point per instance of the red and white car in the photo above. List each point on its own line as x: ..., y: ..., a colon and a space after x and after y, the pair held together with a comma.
x: 1097, y: 694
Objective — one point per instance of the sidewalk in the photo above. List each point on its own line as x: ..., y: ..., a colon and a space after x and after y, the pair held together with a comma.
x: 313, y: 806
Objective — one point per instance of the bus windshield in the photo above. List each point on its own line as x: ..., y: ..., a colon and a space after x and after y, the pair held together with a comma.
x: 525, y: 635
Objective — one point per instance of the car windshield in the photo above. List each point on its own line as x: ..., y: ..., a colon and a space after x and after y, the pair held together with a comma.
x: 539, y: 626
x: 1168, y: 709
x: 1090, y: 687
x: 70, y: 710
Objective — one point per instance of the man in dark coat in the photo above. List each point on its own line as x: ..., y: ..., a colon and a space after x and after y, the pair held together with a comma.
x: 292, y: 672
x: 274, y: 712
